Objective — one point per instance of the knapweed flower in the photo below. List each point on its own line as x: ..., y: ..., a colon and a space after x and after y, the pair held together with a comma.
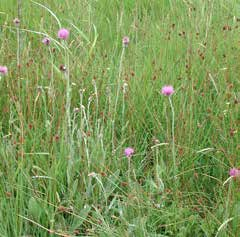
x: 125, y: 41
x: 167, y: 90
x: 234, y: 172
x: 128, y: 152
x: 63, y: 34
x: 3, y: 70
x: 16, y: 21
x: 46, y: 41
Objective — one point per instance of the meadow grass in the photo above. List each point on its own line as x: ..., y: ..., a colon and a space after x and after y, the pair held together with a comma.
x: 63, y: 171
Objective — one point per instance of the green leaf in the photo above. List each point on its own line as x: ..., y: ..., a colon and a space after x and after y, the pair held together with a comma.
x: 34, y: 209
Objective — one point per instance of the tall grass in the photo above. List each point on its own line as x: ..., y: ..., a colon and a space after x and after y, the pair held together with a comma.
x: 115, y: 103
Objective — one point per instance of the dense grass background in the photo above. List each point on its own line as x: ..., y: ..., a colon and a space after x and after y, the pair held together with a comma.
x: 193, y: 45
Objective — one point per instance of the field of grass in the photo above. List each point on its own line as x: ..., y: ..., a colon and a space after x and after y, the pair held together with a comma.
x: 71, y: 108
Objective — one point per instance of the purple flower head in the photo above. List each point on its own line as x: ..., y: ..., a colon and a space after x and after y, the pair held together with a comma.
x: 3, y: 70
x: 63, y: 34
x: 125, y: 41
x: 46, y: 41
x: 167, y: 90
x: 16, y: 21
x: 234, y: 172
x: 128, y: 152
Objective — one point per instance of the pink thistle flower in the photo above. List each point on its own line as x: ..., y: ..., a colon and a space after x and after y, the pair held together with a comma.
x: 167, y: 90
x: 46, y: 41
x: 234, y: 172
x: 63, y: 34
x: 128, y: 152
x: 3, y: 70
x: 125, y: 41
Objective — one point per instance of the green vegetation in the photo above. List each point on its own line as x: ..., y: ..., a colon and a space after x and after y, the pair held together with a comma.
x: 58, y: 179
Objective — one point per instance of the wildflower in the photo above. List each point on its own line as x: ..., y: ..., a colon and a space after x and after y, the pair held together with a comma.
x: 129, y: 152
x: 3, y: 70
x: 16, y: 21
x: 167, y: 90
x: 234, y: 172
x: 125, y: 41
x: 46, y: 41
x: 63, y: 34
